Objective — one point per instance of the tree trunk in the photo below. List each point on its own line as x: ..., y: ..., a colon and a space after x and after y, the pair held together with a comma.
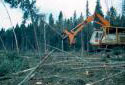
x: 45, y: 39
x: 3, y: 44
x: 82, y: 49
x: 62, y: 45
x: 35, y: 34
x: 15, y: 37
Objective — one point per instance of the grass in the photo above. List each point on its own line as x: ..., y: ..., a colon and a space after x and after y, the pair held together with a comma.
x: 11, y: 63
x: 56, y: 74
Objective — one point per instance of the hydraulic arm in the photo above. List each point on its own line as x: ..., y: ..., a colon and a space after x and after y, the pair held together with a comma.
x: 71, y: 35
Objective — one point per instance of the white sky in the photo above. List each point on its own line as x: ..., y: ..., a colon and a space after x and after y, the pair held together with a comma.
x: 55, y: 6
x: 15, y: 15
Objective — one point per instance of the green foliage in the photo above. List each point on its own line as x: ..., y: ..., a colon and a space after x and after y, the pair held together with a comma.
x: 87, y: 9
x: 5, y: 67
x: 25, y: 34
x: 60, y: 22
x: 51, y: 20
x: 12, y: 62
x: 112, y: 16
x: 60, y: 18
x: 121, y: 21
x: 98, y: 10
x: 75, y: 20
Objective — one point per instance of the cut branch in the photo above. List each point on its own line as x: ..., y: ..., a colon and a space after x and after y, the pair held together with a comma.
x: 35, y: 69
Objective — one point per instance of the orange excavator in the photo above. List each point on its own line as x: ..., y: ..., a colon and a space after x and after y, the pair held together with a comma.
x: 73, y: 33
x: 107, y: 35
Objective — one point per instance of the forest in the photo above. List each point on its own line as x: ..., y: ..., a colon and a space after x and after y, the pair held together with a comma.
x: 31, y: 36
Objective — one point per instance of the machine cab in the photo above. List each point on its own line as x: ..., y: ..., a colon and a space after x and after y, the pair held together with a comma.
x: 96, y: 37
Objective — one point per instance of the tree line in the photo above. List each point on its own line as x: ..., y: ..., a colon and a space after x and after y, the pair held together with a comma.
x: 33, y: 36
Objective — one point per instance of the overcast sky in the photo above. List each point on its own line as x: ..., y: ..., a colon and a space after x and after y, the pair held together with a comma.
x: 55, y: 6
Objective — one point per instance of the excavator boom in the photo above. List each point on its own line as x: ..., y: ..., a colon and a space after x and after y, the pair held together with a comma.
x: 71, y: 35
x: 104, y: 22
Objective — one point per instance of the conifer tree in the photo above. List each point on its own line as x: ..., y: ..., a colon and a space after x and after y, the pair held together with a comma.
x: 98, y: 10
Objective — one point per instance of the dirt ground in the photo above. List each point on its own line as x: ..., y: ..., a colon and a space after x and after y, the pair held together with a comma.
x: 71, y: 69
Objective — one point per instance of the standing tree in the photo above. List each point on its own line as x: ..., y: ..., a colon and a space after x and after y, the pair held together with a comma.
x: 2, y: 39
x: 111, y: 16
x: 114, y: 19
x: 51, y: 20
x: 87, y: 9
x: 87, y: 31
x: 80, y: 19
x: 87, y: 14
x: 75, y: 21
x: 98, y: 10
x: 60, y: 21
x: 30, y: 11
x: 122, y: 21
x: 15, y: 37
x: 49, y: 30
x: 60, y: 25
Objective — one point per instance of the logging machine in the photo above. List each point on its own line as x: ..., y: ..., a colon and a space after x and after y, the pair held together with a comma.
x: 105, y: 36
